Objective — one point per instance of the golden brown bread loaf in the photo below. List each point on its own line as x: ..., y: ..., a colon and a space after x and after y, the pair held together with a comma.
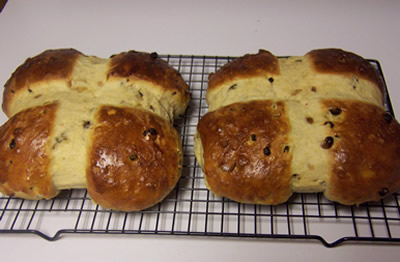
x: 315, y: 123
x: 79, y: 121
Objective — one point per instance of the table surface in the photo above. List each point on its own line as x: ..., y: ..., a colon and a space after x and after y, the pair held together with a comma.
x: 101, y: 28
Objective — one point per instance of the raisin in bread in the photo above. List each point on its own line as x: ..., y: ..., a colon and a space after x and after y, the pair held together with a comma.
x: 78, y: 121
x: 315, y: 123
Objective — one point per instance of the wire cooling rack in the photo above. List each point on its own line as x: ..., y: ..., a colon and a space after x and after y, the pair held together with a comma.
x: 190, y: 209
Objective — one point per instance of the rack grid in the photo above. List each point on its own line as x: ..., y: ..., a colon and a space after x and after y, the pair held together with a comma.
x: 191, y: 210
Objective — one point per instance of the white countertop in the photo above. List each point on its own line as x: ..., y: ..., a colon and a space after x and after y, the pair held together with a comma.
x: 102, y: 28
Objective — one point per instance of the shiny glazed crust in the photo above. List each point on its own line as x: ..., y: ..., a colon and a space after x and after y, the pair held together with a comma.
x: 245, y: 152
x: 365, y: 154
x: 50, y: 65
x: 337, y: 61
x: 135, y: 159
x: 25, y: 154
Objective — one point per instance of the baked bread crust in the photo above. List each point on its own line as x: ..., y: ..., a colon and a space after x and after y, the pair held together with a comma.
x: 25, y: 158
x: 138, y: 65
x: 135, y: 159
x: 248, y: 65
x: 245, y: 152
x: 337, y: 61
x: 339, y: 139
x: 50, y: 65
x: 365, y: 153
x: 147, y: 67
x: 142, y: 90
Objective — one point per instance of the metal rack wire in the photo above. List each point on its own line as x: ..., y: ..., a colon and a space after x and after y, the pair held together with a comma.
x: 190, y: 209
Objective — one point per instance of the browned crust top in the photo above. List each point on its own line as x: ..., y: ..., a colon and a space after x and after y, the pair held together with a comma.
x: 148, y: 67
x: 24, y: 162
x: 49, y: 65
x: 337, y: 61
x: 134, y: 161
x: 246, y: 152
x: 365, y: 155
x: 261, y: 64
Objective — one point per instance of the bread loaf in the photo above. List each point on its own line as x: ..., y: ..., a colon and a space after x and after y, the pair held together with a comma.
x: 78, y: 121
x: 315, y: 123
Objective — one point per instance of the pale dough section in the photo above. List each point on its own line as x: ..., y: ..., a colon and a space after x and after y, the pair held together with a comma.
x: 309, y: 158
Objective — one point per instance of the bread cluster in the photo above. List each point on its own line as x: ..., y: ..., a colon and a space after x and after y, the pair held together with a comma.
x: 78, y: 121
x: 313, y: 123
x: 275, y: 126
